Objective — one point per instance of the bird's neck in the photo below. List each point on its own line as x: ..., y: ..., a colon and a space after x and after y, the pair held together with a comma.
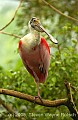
x: 31, y: 40
x: 35, y: 37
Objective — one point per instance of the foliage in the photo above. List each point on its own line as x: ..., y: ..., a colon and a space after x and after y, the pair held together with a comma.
x: 64, y: 61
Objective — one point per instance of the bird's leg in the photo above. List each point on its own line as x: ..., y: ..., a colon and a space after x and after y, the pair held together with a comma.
x: 38, y: 96
x: 38, y: 88
x: 37, y: 83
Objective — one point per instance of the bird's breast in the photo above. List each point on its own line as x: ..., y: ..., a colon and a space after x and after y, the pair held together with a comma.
x: 29, y: 42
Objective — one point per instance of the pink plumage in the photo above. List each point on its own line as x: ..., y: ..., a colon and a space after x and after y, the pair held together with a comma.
x: 35, y: 52
x: 37, y: 60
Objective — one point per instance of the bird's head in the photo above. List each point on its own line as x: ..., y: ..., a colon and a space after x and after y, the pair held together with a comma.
x: 35, y: 24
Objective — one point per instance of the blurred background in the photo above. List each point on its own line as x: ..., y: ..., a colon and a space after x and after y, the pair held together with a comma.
x: 64, y: 56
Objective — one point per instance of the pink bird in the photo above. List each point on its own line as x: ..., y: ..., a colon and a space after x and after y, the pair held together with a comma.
x: 35, y: 52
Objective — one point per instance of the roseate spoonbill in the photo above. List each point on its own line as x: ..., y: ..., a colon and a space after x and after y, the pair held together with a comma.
x: 35, y: 52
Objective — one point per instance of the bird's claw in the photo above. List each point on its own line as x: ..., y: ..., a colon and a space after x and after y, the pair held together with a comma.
x: 37, y: 97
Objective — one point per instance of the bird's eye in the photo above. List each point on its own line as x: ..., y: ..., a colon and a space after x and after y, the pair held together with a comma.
x: 34, y: 20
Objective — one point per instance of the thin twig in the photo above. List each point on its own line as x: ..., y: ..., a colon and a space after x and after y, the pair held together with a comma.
x: 10, y: 34
x: 74, y: 88
x: 12, y: 17
x: 71, y: 104
x: 58, y: 11
x: 30, y: 98
x: 8, y: 107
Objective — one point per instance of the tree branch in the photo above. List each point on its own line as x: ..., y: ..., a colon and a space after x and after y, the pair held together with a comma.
x: 13, y: 16
x: 30, y: 98
x: 10, y: 34
x: 69, y: 102
x: 58, y: 11
x: 8, y: 107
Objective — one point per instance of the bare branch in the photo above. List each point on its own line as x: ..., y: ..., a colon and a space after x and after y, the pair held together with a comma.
x: 30, y: 98
x: 70, y: 104
x: 13, y: 16
x: 58, y: 11
x: 10, y: 34
x: 8, y: 107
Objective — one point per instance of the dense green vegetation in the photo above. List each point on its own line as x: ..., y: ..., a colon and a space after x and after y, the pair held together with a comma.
x: 64, y: 59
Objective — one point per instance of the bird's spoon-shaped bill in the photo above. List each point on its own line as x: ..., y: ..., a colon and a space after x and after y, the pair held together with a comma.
x: 52, y: 39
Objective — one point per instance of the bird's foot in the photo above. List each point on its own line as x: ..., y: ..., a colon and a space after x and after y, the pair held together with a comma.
x: 39, y: 97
